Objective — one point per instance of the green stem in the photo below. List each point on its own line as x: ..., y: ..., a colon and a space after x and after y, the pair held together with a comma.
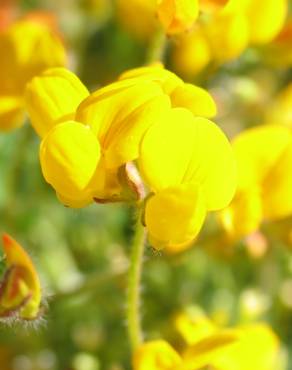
x: 134, y: 281
x: 157, y: 47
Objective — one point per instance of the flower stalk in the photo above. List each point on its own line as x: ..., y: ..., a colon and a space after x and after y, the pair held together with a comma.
x: 134, y: 283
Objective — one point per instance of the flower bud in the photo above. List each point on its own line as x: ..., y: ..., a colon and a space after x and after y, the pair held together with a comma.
x: 20, y: 291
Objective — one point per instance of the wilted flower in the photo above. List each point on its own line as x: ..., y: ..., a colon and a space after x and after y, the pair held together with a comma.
x: 20, y: 291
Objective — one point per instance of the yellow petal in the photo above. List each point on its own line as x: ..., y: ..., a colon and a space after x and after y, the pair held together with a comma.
x: 53, y: 97
x: 168, y: 80
x: 120, y: 113
x: 69, y: 156
x: 266, y: 19
x: 123, y: 139
x: 155, y: 355
x: 257, y: 150
x: 29, y: 48
x: 194, y: 98
x: 184, y: 149
x: 191, y: 53
x: 11, y: 112
x: 177, y: 16
x: 206, y: 352
x: 245, y: 213
x: 256, y: 348
x: 21, y: 285
x: 174, y: 215
x: 194, y: 326
x: 277, y: 187
x: 228, y: 35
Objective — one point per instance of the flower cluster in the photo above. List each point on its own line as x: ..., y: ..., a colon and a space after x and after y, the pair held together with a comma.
x: 226, y: 33
x: 149, y: 116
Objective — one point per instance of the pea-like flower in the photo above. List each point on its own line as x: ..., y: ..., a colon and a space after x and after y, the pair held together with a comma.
x: 29, y: 48
x: 20, y: 291
x: 188, y: 164
x: 264, y: 160
x: 150, y: 116
x: 86, y: 158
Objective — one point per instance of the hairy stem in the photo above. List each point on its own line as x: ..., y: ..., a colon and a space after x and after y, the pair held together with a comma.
x: 134, y: 282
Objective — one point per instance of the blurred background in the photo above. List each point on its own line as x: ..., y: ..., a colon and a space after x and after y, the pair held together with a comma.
x: 82, y: 255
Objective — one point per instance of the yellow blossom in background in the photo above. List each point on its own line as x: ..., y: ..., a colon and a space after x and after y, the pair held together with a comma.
x: 142, y: 27
x: 192, y: 53
x: 29, y: 48
x: 159, y: 355
x: 266, y: 18
x: 257, y: 346
x: 187, y: 177
x: 53, y: 97
x: 156, y: 355
x: 20, y: 289
x: 226, y: 33
x: 177, y: 16
x: 264, y: 160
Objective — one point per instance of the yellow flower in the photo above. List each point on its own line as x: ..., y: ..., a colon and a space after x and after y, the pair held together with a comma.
x: 156, y: 355
x: 264, y: 160
x: 20, y: 289
x: 29, y: 48
x: 177, y: 16
x: 107, y: 130
x: 53, y: 97
x: 188, y: 177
